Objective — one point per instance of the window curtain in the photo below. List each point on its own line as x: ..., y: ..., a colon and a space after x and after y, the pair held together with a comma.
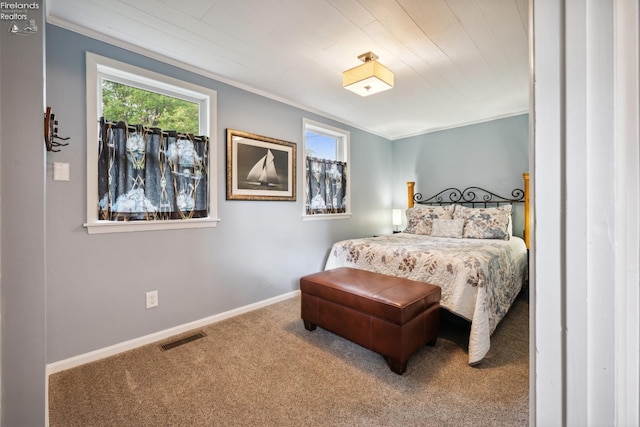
x: 326, y: 186
x: 149, y: 174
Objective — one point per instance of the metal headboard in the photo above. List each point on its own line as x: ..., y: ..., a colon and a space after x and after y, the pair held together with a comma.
x: 474, y: 196
x: 477, y: 196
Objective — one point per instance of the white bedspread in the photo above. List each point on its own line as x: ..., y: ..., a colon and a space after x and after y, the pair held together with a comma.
x: 480, y: 279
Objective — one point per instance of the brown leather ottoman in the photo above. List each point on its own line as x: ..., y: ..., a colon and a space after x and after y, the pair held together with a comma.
x: 389, y: 315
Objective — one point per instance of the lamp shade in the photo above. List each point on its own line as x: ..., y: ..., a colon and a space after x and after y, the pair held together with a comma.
x: 368, y: 78
x: 397, y: 217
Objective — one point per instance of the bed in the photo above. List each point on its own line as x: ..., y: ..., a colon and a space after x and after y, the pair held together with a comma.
x: 460, y: 240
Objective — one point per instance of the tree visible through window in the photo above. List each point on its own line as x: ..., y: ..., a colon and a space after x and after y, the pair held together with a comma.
x: 152, y: 154
x: 121, y: 102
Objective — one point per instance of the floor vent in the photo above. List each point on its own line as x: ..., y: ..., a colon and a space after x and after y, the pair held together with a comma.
x: 181, y: 341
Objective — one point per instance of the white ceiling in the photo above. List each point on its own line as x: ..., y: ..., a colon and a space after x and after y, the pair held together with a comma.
x: 456, y: 62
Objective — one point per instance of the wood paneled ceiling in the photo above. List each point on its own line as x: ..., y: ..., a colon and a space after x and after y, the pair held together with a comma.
x: 456, y: 62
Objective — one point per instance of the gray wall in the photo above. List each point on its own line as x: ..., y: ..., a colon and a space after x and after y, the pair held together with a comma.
x: 492, y: 155
x: 22, y: 225
x: 97, y: 283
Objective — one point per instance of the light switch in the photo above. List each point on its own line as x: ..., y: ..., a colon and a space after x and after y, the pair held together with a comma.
x: 60, y: 171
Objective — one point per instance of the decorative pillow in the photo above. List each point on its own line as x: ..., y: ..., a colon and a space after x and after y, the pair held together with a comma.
x: 447, y: 228
x: 420, y: 218
x: 485, y: 223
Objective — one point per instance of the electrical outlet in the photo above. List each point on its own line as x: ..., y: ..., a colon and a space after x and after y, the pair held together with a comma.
x: 152, y: 299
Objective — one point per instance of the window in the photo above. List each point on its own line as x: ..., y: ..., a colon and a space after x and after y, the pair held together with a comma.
x: 327, y: 184
x: 150, y: 150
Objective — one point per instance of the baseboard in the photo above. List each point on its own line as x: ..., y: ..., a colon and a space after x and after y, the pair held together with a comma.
x: 92, y: 356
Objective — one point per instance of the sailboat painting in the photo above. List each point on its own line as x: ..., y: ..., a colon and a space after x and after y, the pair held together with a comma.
x: 264, y: 172
x: 259, y: 167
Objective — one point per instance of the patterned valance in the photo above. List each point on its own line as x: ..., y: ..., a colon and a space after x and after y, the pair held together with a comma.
x: 149, y: 174
x: 327, y: 185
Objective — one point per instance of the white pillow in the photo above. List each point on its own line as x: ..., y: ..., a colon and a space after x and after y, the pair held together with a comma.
x: 447, y: 228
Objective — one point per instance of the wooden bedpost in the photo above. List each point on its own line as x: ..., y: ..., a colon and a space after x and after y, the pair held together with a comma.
x: 410, y: 187
x: 527, y: 224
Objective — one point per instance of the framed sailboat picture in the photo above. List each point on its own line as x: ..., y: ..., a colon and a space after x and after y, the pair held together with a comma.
x: 259, y: 167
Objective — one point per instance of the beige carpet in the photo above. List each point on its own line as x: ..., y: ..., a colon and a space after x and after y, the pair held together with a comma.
x: 264, y: 369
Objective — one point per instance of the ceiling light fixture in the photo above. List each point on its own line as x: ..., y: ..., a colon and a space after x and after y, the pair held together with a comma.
x: 368, y: 78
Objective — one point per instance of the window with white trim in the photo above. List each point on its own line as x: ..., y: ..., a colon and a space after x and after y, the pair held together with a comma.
x: 150, y: 150
x: 327, y: 192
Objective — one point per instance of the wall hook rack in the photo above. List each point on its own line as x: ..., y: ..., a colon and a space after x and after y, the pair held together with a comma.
x: 51, y: 132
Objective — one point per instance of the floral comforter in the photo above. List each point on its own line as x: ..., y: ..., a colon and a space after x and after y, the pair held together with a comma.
x: 480, y: 279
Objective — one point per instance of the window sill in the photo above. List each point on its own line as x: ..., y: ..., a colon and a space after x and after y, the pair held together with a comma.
x: 103, y: 227
x: 321, y: 217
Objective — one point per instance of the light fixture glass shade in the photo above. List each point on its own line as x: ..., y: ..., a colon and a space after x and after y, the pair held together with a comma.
x: 368, y: 78
x: 397, y: 217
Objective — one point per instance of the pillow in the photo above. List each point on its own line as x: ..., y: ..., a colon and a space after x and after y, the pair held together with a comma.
x: 485, y: 223
x: 447, y: 227
x: 420, y: 218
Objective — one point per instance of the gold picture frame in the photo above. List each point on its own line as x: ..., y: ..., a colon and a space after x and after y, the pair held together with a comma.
x: 260, y: 167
